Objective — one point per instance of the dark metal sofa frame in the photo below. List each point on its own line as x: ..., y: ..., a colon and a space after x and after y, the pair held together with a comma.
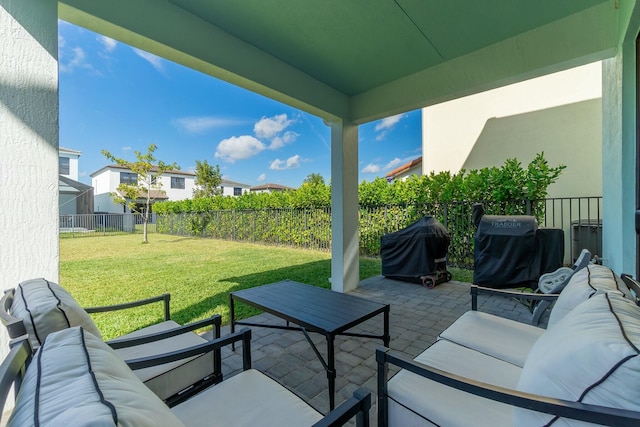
x: 13, y: 369
x: 561, y: 408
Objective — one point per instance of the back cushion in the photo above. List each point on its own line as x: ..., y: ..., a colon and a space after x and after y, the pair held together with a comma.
x: 591, y: 356
x: 75, y: 379
x: 585, y: 283
x: 45, y: 307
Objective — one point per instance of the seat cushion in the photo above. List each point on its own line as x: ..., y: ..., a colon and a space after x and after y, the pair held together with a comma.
x: 415, y: 400
x: 591, y: 356
x: 495, y: 336
x: 585, y: 283
x: 75, y: 379
x: 46, y: 307
x: 170, y: 378
x: 247, y: 399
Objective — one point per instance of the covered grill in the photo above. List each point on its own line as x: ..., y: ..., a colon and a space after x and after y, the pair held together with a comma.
x: 417, y: 253
x: 511, y: 251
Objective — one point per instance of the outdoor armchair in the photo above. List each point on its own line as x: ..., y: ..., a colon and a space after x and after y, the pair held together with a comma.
x: 39, y: 307
x: 73, y: 359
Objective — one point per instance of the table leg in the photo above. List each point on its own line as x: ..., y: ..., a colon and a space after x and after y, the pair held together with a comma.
x: 232, y: 324
x: 386, y: 338
x: 331, y: 371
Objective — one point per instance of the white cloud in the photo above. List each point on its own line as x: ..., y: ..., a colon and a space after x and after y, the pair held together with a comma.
x: 270, y: 127
x: 290, y: 163
x: 393, y: 163
x: 203, y: 123
x: 77, y: 61
x: 108, y: 43
x: 371, y: 168
x: 385, y: 125
x: 388, y: 122
x: 280, y: 141
x: 238, y: 148
x: 126, y: 148
x: 152, y: 59
x: 262, y: 177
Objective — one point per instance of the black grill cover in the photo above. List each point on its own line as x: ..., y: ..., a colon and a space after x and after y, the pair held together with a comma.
x: 511, y: 251
x: 505, y: 248
x: 415, y: 251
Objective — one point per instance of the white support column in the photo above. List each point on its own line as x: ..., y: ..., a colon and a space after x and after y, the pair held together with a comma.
x: 28, y: 142
x: 618, y: 160
x: 345, y: 257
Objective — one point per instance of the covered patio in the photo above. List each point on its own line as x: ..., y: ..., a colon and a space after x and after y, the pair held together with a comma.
x: 348, y: 62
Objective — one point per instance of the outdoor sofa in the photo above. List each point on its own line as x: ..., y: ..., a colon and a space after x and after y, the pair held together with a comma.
x: 39, y: 307
x: 75, y: 379
x: 485, y: 370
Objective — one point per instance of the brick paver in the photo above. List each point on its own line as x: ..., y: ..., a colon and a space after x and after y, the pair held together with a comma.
x: 417, y: 316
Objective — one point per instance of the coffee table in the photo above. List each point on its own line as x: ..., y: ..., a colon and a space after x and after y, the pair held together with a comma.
x: 313, y: 309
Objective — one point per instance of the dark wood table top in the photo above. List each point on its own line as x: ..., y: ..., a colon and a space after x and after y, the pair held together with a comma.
x: 314, y: 308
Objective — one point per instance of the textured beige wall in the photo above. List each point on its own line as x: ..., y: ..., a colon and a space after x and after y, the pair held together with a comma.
x: 28, y: 142
x: 559, y: 114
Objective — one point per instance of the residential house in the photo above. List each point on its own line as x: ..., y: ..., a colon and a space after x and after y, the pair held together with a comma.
x: 74, y: 197
x: 174, y: 185
x: 232, y: 188
x: 559, y: 114
x: 403, y: 172
x: 270, y: 188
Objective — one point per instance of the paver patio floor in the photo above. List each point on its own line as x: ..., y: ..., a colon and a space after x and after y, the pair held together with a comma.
x: 417, y: 316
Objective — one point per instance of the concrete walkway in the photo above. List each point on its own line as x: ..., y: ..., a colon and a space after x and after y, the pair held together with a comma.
x: 417, y: 316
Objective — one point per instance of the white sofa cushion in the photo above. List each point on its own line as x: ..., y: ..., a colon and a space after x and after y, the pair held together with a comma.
x: 170, y: 378
x: 495, y: 336
x: 415, y: 400
x: 585, y: 283
x: 46, y: 307
x: 247, y: 399
x: 592, y: 356
x: 76, y: 379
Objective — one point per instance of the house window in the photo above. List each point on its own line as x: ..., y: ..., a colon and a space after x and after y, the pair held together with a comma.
x: 177, y: 182
x: 63, y: 164
x: 237, y: 191
x: 128, y: 178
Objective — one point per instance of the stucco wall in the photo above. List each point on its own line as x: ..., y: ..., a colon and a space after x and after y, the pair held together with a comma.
x: 559, y: 114
x: 28, y: 143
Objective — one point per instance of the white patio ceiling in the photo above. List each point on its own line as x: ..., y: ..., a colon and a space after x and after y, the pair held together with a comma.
x: 361, y: 60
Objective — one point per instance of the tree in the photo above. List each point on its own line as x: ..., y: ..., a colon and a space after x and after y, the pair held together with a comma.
x: 314, y: 179
x: 147, y: 186
x: 208, y: 179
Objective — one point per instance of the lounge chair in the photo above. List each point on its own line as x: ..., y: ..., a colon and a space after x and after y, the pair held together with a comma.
x: 73, y: 359
x: 39, y: 307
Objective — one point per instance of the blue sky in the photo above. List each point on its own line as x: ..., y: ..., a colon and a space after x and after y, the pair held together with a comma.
x: 122, y: 99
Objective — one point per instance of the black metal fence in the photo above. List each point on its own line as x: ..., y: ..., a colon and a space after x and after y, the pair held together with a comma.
x: 81, y: 225
x: 579, y: 218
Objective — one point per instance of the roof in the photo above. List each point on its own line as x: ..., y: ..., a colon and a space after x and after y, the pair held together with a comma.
x: 270, y: 186
x: 364, y: 60
x: 69, y: 151
x: 227, y: 183
x: 403, y: 168
x: 154, y: 169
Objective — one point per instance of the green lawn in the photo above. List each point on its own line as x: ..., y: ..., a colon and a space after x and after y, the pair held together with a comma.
x: 198, y: 273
